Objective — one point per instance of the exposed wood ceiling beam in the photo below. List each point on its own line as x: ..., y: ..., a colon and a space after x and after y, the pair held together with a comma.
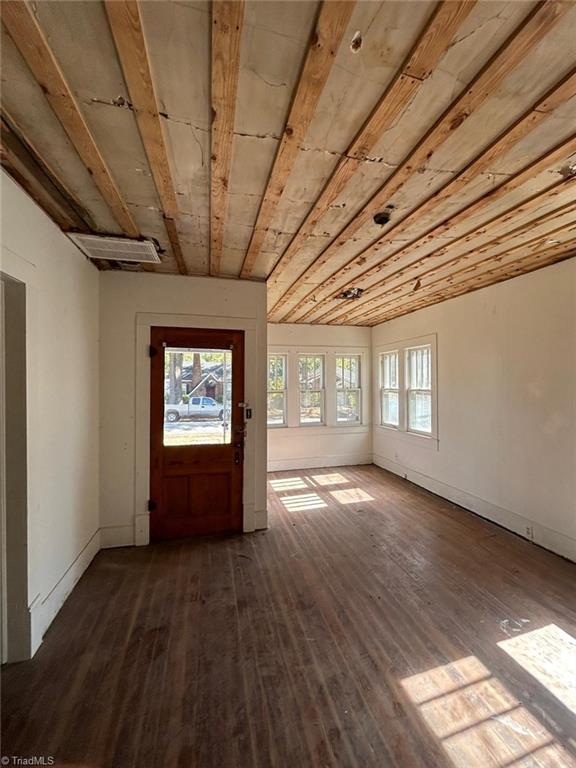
x: 127, y: 29
x: 432, y: 43
x: 39, y: 181
x: 534, y: 27
x: 499, y: 274
x: 19, y: 19
x: 227, y: 20
x: 495, y: 257
x: 322, y: 49
x: 412, y: 271
x: 543, y: 163
x: 407, y: 286
x: 369, y: 259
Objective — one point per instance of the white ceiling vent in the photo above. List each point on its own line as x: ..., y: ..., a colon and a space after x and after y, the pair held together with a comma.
x: 116, y: 248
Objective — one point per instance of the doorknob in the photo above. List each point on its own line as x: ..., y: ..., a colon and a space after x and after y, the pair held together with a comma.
x: 236, y: 456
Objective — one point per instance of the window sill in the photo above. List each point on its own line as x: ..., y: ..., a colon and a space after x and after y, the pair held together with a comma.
x: 430, y: 442
x: 323, y: 429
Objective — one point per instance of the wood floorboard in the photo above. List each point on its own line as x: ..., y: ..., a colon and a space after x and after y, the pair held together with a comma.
x: 362, y: 629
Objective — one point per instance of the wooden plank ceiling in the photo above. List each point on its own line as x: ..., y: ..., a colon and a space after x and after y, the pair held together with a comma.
x: 259, y: 140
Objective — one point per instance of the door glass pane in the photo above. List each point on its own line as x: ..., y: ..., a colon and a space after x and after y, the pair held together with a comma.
x: 197, y: 396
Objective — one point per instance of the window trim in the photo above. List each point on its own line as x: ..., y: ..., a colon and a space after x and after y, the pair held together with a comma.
x: 358, y: 389
x: 284, y: 391
x: 382, y: 389
x: 322, y: 422
x: 402, y: 347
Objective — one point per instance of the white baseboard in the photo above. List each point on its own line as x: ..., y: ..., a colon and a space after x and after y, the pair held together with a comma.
x: 116, y: 536
x: 317, y: 462
x: 260, y: 519
x: 560, y: 544
x: 44, y: 610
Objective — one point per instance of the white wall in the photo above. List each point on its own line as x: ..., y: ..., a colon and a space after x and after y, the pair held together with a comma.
x: 296, y: 447
x: 61, y: 399
x: 506, y: 405
x: 129, y: 305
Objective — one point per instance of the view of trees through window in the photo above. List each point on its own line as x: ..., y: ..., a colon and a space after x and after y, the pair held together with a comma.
x: 197, y: 396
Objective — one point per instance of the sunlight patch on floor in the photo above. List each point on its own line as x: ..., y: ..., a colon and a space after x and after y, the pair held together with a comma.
x: 351, y: 496
x: 288, y: 484
x: 549, y: 655
x: 303, y: 501
x: 330, y: 479
x: 478, y: 721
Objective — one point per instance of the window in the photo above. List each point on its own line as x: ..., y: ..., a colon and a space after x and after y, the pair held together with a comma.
x: 408, y: 387
x: 348, y: 393
x: 276, y: 390
x: 389, y: 389
x: 311, y: 378
x: 419, y: 388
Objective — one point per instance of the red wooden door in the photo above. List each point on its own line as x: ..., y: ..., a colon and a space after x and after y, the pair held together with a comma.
x: 196, y: 432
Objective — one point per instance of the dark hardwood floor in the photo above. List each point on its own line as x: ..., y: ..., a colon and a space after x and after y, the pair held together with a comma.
x: 372, y: 625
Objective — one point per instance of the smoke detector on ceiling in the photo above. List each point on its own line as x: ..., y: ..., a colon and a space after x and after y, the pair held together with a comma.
x: 116, y: 248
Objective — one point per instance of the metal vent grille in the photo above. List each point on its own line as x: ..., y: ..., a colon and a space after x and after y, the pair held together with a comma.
x: 116, y: 248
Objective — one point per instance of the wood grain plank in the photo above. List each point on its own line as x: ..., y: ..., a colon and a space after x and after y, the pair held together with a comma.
x: 544, y: 162
x: 20, y: 21
x: 430, y: 46
x: 499, y: 274
x: 412, y: 270
x: 426, y: 283
x: 406, y: 280
x: 322, y: 49
x: 294, y: 646
x: 368, y: 261
x: 125, y: 21
x: 40, y: 182
x: 531, y: 31
x: 227, y: 21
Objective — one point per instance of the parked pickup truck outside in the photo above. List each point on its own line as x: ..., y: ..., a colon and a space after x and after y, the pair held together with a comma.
x: 195, y: 408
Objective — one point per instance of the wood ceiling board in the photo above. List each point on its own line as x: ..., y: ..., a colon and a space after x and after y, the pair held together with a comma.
x: 468, y: 282
x: 178, y: 38
x: 329, y: 28
x: 547, y: 161
x: 190, y: 150
x: 25, y: 102
x: 270, y: 63
x: 427, y: 47
x: 358, y: 79
x: 227, y: 22
x: 532, y: 28
x: 96, y: 79
x: 396, y: 271
x: 32, y: 42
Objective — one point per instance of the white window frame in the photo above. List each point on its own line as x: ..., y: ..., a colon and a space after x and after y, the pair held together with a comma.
x: 272, y: 425
x: 402, y: 347
x: 358, y: 389
x: 409, y: 389
x: 383, y: 389
x: 322, y: 391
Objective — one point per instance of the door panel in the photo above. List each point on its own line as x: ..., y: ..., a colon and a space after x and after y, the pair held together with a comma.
x: 196, y: 451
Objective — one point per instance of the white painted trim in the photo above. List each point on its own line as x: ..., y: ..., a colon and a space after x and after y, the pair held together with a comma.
x: 559, y: 543
x: 117, y: 536
x: 260, y: 519
x: 43, y: 611
x: 317, y: 462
